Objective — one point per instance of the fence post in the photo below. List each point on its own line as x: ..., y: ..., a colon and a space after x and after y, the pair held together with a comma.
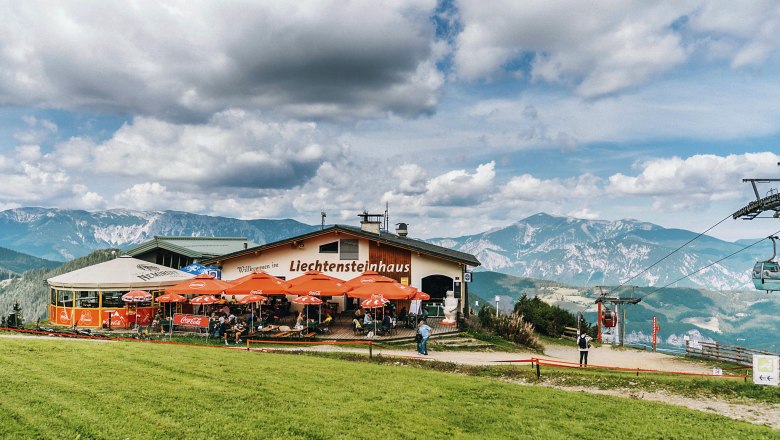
x: 370, y: 350
x: 538, y: 371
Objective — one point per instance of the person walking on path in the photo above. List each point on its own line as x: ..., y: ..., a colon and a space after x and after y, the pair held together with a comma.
x: 583, y: 343
x: 425, y: 332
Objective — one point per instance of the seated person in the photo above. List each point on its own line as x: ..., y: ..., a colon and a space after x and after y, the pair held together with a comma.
x: 299, y: 321
x: 387, y: 324
x: 367, y: 320
x: 356, y: 326
x: 239, y: 330
x: 326, y: 322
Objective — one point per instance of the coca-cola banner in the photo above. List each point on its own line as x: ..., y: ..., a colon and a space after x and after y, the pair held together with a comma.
x: 191, y: 320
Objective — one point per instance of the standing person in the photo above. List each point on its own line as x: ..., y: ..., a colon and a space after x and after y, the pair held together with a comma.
x: 425, y: 333
x: 583, y: 344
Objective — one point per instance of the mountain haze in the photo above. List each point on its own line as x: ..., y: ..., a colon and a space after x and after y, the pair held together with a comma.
x: 598, y: 252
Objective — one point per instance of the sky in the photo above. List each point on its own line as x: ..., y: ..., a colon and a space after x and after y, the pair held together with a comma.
x: 458, y: 116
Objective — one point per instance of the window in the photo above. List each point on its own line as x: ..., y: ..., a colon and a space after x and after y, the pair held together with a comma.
x: 349, y: 249
x: 64, y: 298
x: 113, y: 299
x: 330, y: 248
x: 87, y: 299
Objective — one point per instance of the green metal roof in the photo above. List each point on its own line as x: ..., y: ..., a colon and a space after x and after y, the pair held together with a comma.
x: 383, y: 237
x: 193, y: 247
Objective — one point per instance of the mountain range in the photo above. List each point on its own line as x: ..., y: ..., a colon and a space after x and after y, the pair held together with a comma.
x: 598, y: 252
x: 64, y: 234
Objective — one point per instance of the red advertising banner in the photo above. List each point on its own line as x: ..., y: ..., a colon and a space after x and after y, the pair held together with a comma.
x: 61, y: 315
x: 191, y: 320
x: 119, y: 318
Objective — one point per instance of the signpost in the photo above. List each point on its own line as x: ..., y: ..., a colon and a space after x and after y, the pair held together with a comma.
x: 497, y: 299
x: 655, y: 331
x: 766, y: 370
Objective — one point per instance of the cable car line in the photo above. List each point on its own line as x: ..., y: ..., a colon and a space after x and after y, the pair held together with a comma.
x: 672, y: 253
x: 707, y: 266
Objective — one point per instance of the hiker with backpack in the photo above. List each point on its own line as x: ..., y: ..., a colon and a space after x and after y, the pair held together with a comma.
x: 583, y: 343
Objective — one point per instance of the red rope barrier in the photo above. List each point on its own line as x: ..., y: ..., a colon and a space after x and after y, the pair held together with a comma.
x: 565, y: 364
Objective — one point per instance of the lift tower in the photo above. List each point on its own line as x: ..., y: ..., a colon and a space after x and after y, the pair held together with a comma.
x: 619, y: 304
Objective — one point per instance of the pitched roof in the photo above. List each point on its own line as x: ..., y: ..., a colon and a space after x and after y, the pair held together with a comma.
x: 383, y: 237
x: 193, y: 247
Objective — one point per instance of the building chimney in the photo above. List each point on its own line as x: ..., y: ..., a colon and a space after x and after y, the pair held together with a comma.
x: 371, y: 223
x: 401, y: 229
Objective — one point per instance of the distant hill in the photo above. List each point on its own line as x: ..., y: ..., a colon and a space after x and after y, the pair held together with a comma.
x: 745, y: 318
x: 63, y: 234
x: 12, y: 262
x: 598, y: 252
x: 31, y: 291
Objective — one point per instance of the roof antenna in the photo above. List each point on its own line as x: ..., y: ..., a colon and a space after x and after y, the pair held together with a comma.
x: 323, y: 215
x: 387, y: 216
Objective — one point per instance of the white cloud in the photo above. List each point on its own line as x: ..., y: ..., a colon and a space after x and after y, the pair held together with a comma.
x: 235, y: 149
x: 746, y: 33
x: 677, y: 184
x: 323, y: 59
x: 599, y: 48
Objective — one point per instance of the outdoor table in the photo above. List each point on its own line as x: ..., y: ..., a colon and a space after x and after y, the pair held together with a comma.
x: 269, y: 328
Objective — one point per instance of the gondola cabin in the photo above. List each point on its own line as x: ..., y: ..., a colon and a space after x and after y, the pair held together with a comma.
x: 609, y: 318
x: 766, y: 275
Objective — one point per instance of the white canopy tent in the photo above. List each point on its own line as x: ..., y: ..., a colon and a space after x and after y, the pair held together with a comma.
x: 122, y: 273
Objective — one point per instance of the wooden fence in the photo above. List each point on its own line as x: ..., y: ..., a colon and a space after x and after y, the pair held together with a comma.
x: 725, y: 353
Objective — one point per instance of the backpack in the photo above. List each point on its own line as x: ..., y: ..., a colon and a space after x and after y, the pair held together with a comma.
x: 582, y: 342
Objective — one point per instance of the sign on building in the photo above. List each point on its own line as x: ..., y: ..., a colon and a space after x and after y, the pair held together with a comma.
x: 766, y: 370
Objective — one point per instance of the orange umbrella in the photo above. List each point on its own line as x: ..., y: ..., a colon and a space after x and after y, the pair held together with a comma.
x: 252, y: 298
x: 171, y: 298
x: 366, y: 277
x: 248, y: 276
x: 260, y: 282
x: 204, y: 299
x: 374, y: 302
x: 137, y: 296
x: 389, y: 289
x: 421, y: 295
x: 203, y: 284
x: 308, y: 275
x: 320, y: 285
x: 307, y: 300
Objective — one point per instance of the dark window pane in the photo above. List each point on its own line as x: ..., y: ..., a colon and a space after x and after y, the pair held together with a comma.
x: 349, y: 249
x: 330, y: 248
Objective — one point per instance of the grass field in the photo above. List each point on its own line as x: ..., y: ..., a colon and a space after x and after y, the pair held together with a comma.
x: 86, y: 389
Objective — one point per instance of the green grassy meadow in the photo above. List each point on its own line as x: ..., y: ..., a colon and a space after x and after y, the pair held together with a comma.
x: 86, y: 389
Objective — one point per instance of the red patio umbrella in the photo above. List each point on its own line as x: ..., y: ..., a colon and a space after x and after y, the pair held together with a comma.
x: 320, y: 285
x: 374, y: 302
x: 307, y: 300
x: 171, y: 298
x: 203, y: 284
x: 203, y: 300
x: 251, y: 299
x: 135, y: 296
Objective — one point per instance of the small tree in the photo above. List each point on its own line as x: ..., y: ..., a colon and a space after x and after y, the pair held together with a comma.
x: 15, y: 319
